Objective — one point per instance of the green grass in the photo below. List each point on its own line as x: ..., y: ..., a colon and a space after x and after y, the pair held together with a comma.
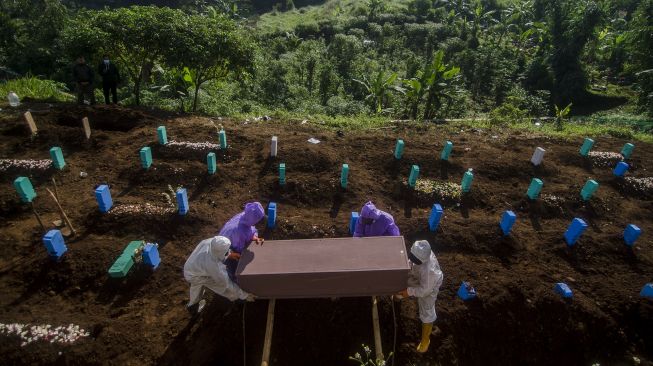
x: 573, y: 129
x: 342, y: 10
x: 31, y: 88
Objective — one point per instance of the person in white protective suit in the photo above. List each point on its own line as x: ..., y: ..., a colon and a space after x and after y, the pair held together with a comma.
x: 424, y: 283
x: 205, y: 268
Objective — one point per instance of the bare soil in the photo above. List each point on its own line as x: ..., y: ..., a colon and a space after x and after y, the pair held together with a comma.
x: 517, y: 318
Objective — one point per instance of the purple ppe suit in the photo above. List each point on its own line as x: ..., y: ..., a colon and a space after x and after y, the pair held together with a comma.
x: 240, y: 230
x: 383, y: 224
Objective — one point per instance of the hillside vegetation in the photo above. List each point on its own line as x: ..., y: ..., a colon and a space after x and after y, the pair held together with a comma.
x: 403, y: 59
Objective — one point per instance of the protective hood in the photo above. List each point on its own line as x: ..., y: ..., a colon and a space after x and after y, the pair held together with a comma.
x: 219, y: 247
x: 369, y: 211
x: 421, y: 249
x: 252, y: 214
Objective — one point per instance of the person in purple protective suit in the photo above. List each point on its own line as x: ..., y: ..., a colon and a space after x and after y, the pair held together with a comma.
x: 241, y: 231
x: 374, y: 222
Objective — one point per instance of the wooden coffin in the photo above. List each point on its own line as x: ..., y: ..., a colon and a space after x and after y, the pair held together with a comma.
x: 330, y: 267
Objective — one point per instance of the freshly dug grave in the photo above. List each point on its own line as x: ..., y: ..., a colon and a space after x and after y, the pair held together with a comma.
x: 517, y: 318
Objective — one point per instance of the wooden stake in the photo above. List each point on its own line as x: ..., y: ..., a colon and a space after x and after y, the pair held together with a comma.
x: 87, y: 127
x: 30, y: 122
x: 38, y: 218
x: 63, y: 214
x: 56, y: 192
x: 378, y: 347
x: 267, y: 342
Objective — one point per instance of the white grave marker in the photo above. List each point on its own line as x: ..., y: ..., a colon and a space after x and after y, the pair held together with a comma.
x: 87, y: 127
x: 30, y: 122
x: 273, y: 146
x: 538, y: 155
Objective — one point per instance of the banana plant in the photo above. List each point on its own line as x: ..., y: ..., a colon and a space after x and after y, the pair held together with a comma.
x: 561, y: 114
x: 414, y: 93
x: 436, y: 81
x: 378, y: 90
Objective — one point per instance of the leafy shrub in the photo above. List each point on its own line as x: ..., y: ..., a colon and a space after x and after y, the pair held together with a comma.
x: 338, y: 105
x: 507, y: 113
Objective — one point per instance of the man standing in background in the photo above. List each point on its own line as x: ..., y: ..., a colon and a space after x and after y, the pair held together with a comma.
x: 83, y: 76
x: 110, y: 79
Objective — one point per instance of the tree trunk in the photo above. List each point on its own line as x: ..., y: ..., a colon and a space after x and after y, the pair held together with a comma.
x: 197, y: 89
x: 137, y: 90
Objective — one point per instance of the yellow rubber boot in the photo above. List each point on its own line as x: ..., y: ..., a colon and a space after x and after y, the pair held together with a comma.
x: 423, y: 346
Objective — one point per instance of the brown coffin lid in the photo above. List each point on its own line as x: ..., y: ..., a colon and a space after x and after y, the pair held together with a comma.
x: 324, y: 267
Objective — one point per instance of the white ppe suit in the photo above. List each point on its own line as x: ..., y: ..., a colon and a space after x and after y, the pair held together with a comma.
x: 424, y: 282
x: 205, y: 268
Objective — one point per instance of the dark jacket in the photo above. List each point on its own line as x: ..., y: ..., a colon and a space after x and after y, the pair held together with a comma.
x: 82, y: 73
x: 109, y: 73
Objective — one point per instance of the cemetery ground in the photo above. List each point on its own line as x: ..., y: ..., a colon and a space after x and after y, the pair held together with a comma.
x: 517, y: 317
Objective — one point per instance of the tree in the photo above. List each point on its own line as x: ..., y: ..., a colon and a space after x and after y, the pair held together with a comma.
x: 639, y: 39
x: 375, y: 7
x: 571, y: 26
x: 436, y: 81
x: 379, y: 89
x: 28, y: 30
x: 210, y: 47
x: 137, y: 36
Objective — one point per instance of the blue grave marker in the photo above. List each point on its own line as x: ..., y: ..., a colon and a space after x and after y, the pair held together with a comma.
x: 647, y: 291
x: 575, y: 230
x: 563, y: 290
x: 151, y: 255
x: 631, y: 234
x: 54, y: 244
x: 507, y: 221
x: 352, y: 222
x: 621, y: 169
x: 103, y: 197
x: 182, y: 201
x: 435, y: 217
x: 466, y: 291
x: 272, y: 215
x: 57, y: 158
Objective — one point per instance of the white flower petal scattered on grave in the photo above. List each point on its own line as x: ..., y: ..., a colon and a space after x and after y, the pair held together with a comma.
x: 197, y: 146
x: 641, y: 185
x: 605, y: 158
x: 33, y: 333
x: 143, y: 209
x: 6, y: 164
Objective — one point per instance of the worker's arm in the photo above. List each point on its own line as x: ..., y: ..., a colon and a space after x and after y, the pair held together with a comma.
x: 392, y: 230
x: 359, y: 229
x: 226, y: 287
